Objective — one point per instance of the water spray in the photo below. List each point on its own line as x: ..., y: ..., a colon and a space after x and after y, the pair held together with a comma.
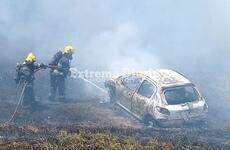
x: 75, y: 75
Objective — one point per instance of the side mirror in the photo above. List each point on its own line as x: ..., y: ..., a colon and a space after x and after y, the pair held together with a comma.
x: 120, y: 79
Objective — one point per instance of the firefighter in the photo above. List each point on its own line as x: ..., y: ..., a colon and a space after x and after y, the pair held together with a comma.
x: 60, y: 69
x: 25, y: 77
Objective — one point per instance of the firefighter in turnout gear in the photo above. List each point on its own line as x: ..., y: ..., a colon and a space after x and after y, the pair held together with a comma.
x: 60, y: 69
x: 25, y: 77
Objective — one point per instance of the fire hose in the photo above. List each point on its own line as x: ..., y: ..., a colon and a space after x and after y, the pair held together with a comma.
x: 19, y: 103
x: 26, y: 83
x: 93, y: 84
x: 19, y: 100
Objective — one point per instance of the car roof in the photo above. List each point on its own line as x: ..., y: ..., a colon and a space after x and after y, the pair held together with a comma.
x: 165, y: 77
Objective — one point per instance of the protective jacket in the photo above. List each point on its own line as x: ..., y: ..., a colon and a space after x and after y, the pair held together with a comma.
x: 25, y: 72
x: 60, y: 64
x: 25, y: 77
x: 60, y: 68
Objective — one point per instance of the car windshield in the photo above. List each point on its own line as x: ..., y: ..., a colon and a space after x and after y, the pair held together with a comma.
x: 180, y: 95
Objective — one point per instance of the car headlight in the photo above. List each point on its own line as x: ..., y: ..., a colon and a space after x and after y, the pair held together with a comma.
x: 205, y: 107
x: 163, y: 110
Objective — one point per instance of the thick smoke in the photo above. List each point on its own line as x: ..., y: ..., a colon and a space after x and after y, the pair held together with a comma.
x: 189, y: 36
x: 152, y: 33
x: 124, y: 43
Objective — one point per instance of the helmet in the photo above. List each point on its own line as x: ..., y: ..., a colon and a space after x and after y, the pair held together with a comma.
x: 68, y: 49
x: 30, y: 58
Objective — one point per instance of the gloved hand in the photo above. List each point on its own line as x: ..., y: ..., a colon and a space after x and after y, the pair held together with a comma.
x: 24, y: 78
x: 52, y: 66
x: 69, y: 73
x: 16, y: 80
x: 43, y: 66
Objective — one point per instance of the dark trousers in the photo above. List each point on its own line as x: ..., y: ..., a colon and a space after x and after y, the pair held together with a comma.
x: 28, y: 97
x: 57, y: 82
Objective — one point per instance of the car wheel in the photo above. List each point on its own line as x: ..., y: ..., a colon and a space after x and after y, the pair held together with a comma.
x: 199, y: 124
x: 148, y: 120
x: 112, y: 95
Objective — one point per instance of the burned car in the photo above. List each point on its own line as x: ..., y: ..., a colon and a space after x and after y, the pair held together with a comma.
x: 161, y: 97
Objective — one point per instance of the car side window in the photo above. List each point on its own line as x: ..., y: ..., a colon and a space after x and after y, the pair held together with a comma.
x: 132, y: 82
x: 146, y: 89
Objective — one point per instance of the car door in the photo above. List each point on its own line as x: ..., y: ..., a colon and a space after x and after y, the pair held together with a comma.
x: 142, y: 97
x: 128, y: 86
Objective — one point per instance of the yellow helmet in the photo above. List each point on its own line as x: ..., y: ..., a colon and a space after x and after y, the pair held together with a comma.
x: 30, y: 58
x: 68, y: 49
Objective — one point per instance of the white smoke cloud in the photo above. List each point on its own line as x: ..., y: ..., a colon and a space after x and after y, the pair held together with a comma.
x: 163, y: 33
x: 119, y: 48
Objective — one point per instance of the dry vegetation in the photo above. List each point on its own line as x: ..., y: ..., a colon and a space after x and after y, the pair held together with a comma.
x: 44, y: 138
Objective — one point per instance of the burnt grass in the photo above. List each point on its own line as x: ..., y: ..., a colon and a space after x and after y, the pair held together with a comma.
x: 75, y: 137
x: 85, y: 123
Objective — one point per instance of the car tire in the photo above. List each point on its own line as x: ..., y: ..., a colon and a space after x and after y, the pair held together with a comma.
x: 199, y: 124
x: 148, y: 120
x: 112, y: 95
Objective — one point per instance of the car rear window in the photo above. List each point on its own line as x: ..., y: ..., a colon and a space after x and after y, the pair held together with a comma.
x: 132, y: 82
x: 146, y: 89
x: 180, y: 95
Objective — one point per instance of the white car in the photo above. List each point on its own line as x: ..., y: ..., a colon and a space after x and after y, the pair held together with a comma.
x: 163, y: 97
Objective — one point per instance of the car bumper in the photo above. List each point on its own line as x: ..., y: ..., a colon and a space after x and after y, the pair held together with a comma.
x: 180, y: 122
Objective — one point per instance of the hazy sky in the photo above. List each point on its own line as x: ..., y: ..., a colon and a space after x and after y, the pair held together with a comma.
x: 113, y: 34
